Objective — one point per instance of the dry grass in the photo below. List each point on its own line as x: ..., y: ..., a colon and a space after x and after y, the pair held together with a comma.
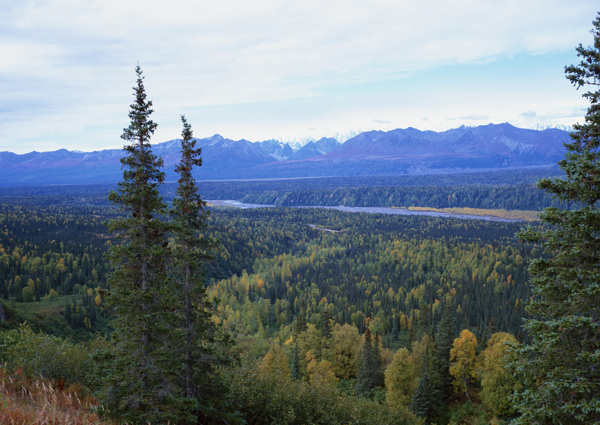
x: 523, y: 215
x: 26, y: 401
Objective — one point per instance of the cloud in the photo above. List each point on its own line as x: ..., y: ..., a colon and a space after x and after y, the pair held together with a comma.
x: 76, y: 58
x: 475, y: 117
x: 378, y: 121
x: 528, y: 114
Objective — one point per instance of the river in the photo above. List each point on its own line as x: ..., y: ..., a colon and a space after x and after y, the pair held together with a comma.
x: 371, y: 210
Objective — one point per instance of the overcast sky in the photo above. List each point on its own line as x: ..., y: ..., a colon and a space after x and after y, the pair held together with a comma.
x: 283, y: 69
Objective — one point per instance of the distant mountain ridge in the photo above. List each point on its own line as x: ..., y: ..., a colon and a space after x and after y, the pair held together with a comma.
x: 396, y: 152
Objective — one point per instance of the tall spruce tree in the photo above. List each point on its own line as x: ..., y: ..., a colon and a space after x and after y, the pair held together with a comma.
x: 443, y: 343
x: 369, y: 373
x: 560, y: 369
x: 421, y: 401
x: 190, y: 250
x: 142, y: 385
x: 295, y: 373
x: 428, y: 400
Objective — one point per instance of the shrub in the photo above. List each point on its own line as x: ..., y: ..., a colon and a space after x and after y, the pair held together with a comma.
x: 277, y: 399
x: 52, y: 357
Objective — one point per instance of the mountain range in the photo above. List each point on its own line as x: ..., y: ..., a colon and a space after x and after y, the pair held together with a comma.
x: 396, y: 152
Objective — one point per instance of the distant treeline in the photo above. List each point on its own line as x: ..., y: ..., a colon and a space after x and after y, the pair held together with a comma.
x: 518, y: 197
x: 511, y: 189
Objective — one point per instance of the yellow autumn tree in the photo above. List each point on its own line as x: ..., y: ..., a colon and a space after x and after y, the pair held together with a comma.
x: 275, y: 362
x: 319, y: 372
x: 401, y: 378
x: 497, y: 384
x: 463, y: 360
x: 344, y: 350
x: 403, y: 373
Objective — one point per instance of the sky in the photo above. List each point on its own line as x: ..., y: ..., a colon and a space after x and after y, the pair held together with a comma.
x: 286, y: 70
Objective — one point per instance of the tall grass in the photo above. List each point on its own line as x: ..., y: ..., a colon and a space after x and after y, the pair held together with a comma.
x: 27, y: 401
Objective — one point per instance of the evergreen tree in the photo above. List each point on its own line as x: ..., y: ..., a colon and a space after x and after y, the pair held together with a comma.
x: 395, y: 329
x: 369, y: 373
x: 142, y: 386
x: 377, y: 363
x: 421, y: 401
x: 428, y: 398
x: 301, y: 319
x: 295, y: 372
x: 560, y: 369
x: 443, y: 344
x: 424, y: 322
x: 325, y: 324
x: 199, y: 380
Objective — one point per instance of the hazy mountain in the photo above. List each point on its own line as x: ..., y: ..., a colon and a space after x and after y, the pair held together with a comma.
x: 220, y: 157
x: 411, y: 151
x: 401, y: 151
x: 318, y: 148
x: 278, y: 150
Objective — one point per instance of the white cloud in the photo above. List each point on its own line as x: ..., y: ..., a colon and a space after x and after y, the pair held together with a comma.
x: 68, y: 65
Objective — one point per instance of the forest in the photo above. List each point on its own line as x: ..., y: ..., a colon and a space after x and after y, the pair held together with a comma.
x: 142, y: 304
x: 304, y: 283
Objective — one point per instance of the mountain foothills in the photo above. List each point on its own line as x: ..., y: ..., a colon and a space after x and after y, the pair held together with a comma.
x: 374, y: 153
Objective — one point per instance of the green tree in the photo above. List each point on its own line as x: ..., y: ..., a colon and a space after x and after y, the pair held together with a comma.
x: 443, y: 343
x: 428, y: 397
x: 295, y: 372
x: 190, y: 250
x: 143, y: 386
x: 421, y: 401
x: 369, y: 374
x: 560, y: 369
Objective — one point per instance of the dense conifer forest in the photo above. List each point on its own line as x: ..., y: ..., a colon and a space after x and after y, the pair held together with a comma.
x: 309, y: 281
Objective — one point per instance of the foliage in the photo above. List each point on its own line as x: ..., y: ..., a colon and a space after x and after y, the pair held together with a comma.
x: 444, y: 339
x: 469, y: 413
x: 516, y: 197
x: 428, y: 398
x: 53, y: 358
x: 401, y: 378
x: 559, y: 369
x: 463, y: 360
x: 144, y: 382
x: 277, y: 399
x: 319, y: 371
x: 421, y: 402
x: 47, y: 251
x: 369, y: 373
x: 377, y: 268
x: 194, y: 333
x: 345, y: 347
x: 394, y: 275
x: 275, y: 362
x: 497, y: 384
